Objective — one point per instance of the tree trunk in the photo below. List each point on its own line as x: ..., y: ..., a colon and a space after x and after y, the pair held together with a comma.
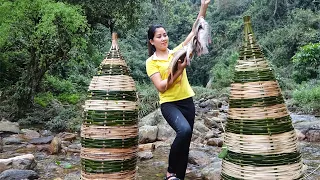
x: 28, y: 85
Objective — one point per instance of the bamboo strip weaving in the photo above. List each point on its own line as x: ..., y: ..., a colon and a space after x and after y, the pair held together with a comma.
x: 109, y: 133
x: 260, y: 141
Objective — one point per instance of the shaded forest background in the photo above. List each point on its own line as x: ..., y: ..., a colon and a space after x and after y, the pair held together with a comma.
x: 49, y: 51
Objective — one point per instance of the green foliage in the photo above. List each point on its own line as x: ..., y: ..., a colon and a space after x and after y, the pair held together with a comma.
x: 300, y: 29
x: 307, y: 62
x: 148, y: 99
x: 58, y: 85
x: 69, y: 98
x: 202, y: 92
x: 120, y: 14
x: 36, y: 35
x: 43, y: 99
x: 307, y: 97
x: 60, y: 122
x: 223, y: 71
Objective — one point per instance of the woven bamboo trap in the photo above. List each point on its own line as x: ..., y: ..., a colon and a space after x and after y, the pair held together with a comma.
x: 109, y: 133
x: 260, y: 139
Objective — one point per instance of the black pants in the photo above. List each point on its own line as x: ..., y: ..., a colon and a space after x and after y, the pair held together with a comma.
x: 180, y: 116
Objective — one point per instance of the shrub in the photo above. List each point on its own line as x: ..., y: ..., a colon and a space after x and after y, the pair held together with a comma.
x: 58, y: 85
x: 308, y: 97
x: 61, y: 121
x: 307, y: 62
x: 148, y: 99
x: 69, y: 98
x: 43, y: 99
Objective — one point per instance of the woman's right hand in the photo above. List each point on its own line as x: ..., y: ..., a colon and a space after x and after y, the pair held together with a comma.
x: 205, y: 2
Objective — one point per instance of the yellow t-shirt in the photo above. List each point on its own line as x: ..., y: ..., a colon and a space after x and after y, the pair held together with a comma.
x: 179, y: 90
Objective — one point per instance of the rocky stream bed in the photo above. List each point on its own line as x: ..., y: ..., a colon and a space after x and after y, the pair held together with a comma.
x: 40, y: 154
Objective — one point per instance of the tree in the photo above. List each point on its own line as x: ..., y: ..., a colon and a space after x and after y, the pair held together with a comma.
x: 120, y: 15
x: 35, y: 36
x: 307, y: 63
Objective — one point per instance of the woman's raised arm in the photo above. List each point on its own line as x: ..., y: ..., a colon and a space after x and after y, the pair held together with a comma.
x: 202, y: 12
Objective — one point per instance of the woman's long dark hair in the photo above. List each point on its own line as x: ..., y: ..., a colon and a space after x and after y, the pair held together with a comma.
x: 151, y: 31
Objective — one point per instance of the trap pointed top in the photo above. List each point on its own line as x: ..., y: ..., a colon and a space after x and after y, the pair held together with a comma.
x: 248, y: 32
x: 114, y: 45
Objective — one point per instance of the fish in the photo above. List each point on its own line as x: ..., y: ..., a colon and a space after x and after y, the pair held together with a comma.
x: 197, y: 45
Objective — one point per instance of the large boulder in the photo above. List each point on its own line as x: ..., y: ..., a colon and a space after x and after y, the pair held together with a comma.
x: 165, y: 131
x: 148, y: 134
x: 17, y: 174
x: 199, y: 158
x: 212, y: 171
x: 153, y: 119
x: 41, y: 140
x: 7, y: 126
x: 211, y: 104
x: 13, y: 139
x: 198, y: 125
x: 19, y: 162
x: 313, y: 135
x: 145, y: 155
x: 30, y: 134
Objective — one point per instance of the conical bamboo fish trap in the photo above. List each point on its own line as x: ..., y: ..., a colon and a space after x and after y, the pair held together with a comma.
x: 259, y: 136
x: 109, y: 133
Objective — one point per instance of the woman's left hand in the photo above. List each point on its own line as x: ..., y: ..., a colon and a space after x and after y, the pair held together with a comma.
x: 182, y: 65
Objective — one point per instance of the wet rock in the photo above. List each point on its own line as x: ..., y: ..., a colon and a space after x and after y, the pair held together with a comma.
x: 303, y: 126
x: 198, y: 140
x: 164, y: 132
x: 195, y: 134
x: 212, y: 134
x: 313, y: 135
x: 148, y: 134
x: 30, y: 134
x: 212, y: 172
x: 43, y: 148
x: 16, y: 174
x: 145, y: 155
x: 146, y: 147
x: 74, y: 148
x: 213, y: 113
x: 46, y: 133
x: 219, y: 119
x: 65, y: 136
x: 152, y: 119
x: 19, y: 162
x: 215, y: 142
x: 159, y: 164
x: 1, y: 145
x: 200, y: 127
x: 73, y: 176
x: 65, y: 144
x: 55, y: 146
x: 300, y: 135
x: 211, y: 123
x: 7, y: 126
x: 158, y: 144
x: 41, y: 140
x: 211, y: 104
x: 199, y: 158
x: 31, y: 146
x: 13, y: 139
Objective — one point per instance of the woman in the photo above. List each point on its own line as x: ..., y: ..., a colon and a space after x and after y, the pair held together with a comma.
x: 175, y: 96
